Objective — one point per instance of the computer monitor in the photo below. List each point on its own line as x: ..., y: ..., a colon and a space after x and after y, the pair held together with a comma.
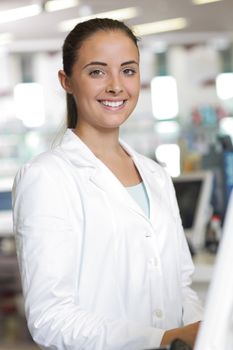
x: 193, y: 192
x: 216, y: 330
x: 6, y: 221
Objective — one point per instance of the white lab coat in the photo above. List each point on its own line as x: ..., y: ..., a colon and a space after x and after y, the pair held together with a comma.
x: 96, y: 272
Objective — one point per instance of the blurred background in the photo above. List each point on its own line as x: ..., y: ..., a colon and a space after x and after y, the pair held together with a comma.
x: 184, y: 117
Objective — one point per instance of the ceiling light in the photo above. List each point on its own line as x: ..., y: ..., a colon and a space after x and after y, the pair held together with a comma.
x: 5, y: 38
x: 202, y: 2
x: 167, y: 127
x: 169, y: 154
x: 120, y: 14
x: 164, y: 89
x: 224, y: 86
x: 226, y: 126
x: 160, y: 26
x: 30, y: 110
x: 56, y: 5
x: 19, y: 13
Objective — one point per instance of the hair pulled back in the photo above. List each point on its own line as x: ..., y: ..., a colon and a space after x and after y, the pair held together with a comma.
x: 72, y: 45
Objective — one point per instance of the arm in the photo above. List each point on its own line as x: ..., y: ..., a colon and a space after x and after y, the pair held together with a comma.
x: 50, y: 256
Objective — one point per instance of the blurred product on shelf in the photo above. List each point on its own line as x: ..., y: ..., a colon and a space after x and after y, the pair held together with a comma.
x: 213, y: 234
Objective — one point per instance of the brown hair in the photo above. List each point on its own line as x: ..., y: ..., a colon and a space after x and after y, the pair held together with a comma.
x: 72, y: 45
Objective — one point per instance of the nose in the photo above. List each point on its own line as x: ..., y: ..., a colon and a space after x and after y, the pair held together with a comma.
x: 114, y: 85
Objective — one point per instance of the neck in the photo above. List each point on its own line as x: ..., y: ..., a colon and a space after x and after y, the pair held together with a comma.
x: 100, y: 142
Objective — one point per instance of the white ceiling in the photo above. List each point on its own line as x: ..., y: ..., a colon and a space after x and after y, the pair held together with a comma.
x: 210, y: 21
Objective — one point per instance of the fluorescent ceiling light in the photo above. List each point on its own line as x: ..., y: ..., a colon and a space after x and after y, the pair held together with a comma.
x: 120, y: 14
x: 202, y: 2
x: 56, y: 5
x: 5, y: 38
x: 224, y: 86
x: 167, y: 127
x: 19, y: 13
x: 160, y: 26
x: 164, y: 97
x: 169, y: 154
x: 30, y: 110
x: 226, y: 126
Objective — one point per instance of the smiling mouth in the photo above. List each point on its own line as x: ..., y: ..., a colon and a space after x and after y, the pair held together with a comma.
x: 112, y: 104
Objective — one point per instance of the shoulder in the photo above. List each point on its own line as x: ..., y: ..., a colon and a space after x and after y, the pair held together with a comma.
x: 48, y: 159
x: 45, y: 165
x: 38, y: 189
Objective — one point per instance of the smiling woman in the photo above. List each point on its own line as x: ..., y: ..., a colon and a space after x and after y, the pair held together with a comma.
x: 102, y: 253
x: 100, y: 61
x: 104, y: 84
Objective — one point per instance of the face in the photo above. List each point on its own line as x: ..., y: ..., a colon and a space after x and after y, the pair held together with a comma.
x: 105, y: 80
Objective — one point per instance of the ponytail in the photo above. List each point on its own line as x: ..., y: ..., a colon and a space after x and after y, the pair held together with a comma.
x: 72, y: 115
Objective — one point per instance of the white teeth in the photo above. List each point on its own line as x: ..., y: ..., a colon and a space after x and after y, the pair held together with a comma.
x: 113, y: 103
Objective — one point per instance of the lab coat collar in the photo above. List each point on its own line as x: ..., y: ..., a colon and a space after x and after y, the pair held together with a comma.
x: 152, y: 175
x: 76, y: 151
x: 81, y: 156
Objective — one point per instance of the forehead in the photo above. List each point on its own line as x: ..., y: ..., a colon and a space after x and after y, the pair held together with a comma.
x: 104, y: 45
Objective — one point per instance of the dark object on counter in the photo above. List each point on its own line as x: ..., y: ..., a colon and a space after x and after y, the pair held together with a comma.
x: 176, y: 344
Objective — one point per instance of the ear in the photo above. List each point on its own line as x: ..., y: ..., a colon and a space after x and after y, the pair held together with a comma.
x: 65, y: 81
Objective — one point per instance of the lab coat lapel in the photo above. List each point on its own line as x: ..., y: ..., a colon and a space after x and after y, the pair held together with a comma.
x: 81, y: 156
x: 153, y: 186
x: 76, y: 151
x: 107, y: 181
x: 151, y: 174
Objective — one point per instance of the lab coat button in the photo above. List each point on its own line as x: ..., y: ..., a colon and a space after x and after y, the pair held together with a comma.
x: 153, y: 262
x: 158, y: 313
x: 147, y: 234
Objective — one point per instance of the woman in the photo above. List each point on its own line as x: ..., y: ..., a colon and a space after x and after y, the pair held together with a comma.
x: 102, y: 253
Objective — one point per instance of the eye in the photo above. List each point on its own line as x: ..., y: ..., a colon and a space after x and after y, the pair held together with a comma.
x: 129, y: 71
x: 95, y: 73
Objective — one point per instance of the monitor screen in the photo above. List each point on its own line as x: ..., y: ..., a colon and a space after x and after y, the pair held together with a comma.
x: 5, y: 200
x: 228, y: 175
x: 6, y: 222
x: 188, y: 195
x: 193, y: 192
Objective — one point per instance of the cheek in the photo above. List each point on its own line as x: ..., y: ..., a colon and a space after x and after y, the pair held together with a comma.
x: 133, y: 85
x: 81, y: 91
x: 89, y: 88
x: 134, y: 88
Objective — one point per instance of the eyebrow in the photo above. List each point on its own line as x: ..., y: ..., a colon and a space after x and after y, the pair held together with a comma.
x: 97, y: 63
x: 130, y: 62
